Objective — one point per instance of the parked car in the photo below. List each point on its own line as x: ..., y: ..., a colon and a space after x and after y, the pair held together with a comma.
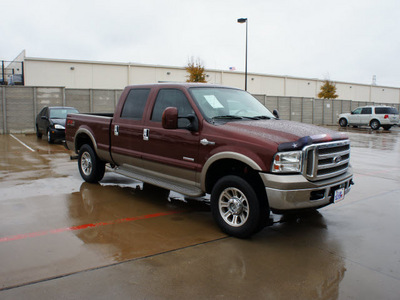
x: 51, y: 121
x: 373, y: 116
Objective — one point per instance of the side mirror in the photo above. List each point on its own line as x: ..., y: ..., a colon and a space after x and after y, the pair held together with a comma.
x: 276, y: 113
x: 194, y: 124
x: 170, y: 118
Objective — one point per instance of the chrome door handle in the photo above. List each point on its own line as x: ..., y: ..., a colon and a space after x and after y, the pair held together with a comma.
x: 116, y: 130
x: 146, y: 134
x: 205, y: 142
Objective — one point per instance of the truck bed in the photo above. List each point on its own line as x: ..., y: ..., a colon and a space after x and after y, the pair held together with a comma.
x: 99, y: 127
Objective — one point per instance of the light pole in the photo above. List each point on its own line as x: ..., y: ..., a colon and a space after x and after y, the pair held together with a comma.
x: 244, y: 20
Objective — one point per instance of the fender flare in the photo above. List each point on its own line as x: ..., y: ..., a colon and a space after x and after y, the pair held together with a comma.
x: 89, y: 134
x: 226, y: 155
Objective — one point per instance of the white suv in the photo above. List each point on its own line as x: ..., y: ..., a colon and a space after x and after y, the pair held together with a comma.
x: 374, y: 116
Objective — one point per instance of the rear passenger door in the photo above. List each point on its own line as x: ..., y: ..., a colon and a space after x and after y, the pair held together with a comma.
x: 43, y: 123
x: 126, y: 130
x: 366, y: 115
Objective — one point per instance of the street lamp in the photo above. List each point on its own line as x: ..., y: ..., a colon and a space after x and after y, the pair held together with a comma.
x: 244, y: 20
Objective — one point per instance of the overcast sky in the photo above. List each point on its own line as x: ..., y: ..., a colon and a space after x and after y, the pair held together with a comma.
x: 345, y: 40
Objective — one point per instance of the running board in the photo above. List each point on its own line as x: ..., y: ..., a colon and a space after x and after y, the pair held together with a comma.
x: 187, y: 190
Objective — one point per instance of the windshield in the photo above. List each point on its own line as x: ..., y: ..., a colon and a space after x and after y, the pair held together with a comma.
x: 225, y: 103
x: 61, y: 113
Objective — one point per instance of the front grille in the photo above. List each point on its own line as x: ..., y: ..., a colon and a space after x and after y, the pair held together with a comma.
x: 326, y: 160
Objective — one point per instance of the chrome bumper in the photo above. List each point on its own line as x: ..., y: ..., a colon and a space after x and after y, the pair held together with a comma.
x: 292, y: 192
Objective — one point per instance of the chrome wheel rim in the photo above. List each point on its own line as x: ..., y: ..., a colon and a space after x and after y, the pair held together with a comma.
x: 233, y: 207
x: 86, y: 164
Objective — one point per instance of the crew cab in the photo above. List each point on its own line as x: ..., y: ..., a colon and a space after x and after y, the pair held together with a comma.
x: 199, y: 139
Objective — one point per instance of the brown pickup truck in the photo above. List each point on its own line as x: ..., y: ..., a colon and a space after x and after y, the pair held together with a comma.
x: 199, y: 139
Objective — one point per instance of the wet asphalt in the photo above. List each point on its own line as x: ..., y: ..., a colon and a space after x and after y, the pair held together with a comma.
x: 63, y: 238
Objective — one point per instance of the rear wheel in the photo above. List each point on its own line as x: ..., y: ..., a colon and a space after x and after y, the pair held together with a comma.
x: 236, y: 207
x: 38, y: 133
x: 343, y: 122
x: 375, y: 124
x: 91, y: 168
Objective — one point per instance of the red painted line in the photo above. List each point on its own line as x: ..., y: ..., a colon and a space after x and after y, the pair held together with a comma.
x: 84, y: 226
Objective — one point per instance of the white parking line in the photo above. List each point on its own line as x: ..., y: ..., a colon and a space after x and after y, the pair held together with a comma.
x: 22, y: 143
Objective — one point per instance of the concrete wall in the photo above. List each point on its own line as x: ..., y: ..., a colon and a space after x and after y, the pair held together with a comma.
x: 105, y: 75
x: 20, y: 105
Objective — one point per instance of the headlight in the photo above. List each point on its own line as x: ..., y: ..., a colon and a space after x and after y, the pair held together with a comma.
x: 287, y: 162
x: 58, y: 126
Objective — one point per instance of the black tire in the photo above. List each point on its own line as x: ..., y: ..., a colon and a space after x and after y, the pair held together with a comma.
x: 38, y: 133
x: 236, y: 208
x: 375, y: 124
x: 387, y: 127
x: 343, y: 122
x: 91, y: 168
x: 50, y: 138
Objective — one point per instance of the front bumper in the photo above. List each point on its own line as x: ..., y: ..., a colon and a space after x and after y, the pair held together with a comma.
x: 57, y: 134
x: 294, y: 192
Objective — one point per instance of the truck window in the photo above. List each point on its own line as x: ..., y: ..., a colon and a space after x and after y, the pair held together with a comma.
x: 171, y: 98
x: 135, y: 103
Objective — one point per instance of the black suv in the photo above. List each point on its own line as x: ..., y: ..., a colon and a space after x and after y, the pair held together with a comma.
x: 51, y: 121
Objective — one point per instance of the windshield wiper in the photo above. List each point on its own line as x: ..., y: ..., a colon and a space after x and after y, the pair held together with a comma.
x: 262, y: 117
x: 228, y: 117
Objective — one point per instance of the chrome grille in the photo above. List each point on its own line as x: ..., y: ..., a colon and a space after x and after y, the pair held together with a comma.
x: 326, y: 160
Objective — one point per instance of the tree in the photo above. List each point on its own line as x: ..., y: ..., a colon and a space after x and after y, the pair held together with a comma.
x: 328, y: 90
x: 196, y: 71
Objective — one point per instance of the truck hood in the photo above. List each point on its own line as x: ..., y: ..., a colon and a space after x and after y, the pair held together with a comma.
x: 288, y: 135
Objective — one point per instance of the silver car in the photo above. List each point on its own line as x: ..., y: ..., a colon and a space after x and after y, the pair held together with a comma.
x: 373, y: 116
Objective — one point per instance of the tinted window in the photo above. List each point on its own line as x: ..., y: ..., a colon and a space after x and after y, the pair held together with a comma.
x: 135, y: 103
x: 366, y: 111
x: 171, y: 98
x: 386, y: 111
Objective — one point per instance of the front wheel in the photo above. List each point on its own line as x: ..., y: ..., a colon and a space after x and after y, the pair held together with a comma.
x: 91, y: 168
x: 343, y: 122
x: 50, y: 138
x: 236, y: 207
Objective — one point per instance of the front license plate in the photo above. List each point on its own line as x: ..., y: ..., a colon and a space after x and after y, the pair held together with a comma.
x: 339, y: 195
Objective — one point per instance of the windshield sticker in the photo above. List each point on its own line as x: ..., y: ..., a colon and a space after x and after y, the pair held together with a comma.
x: 213, y: 101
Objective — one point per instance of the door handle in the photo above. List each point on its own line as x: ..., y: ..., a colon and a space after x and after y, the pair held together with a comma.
x: 205, y: 142
x: 146, y: 133
x: 116, y: 130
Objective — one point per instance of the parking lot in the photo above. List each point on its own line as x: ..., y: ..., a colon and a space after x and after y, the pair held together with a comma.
x: 61, y: 237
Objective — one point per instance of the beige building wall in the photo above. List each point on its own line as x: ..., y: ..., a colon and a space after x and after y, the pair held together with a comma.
x: 106, y: 75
